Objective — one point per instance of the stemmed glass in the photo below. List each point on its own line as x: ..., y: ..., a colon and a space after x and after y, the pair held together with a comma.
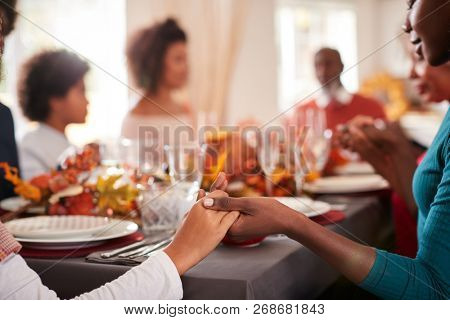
x: 186, y: 166
x: 269, y: 156
x: 316, y: 143
x: 143, y: 161
x: 300, y: 168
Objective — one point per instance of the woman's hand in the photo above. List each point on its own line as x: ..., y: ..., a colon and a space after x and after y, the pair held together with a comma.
x: 259, y: 216
x: 264, y: 216
x: 386, y: 137
x: 387, y: 149
x: 201, y: 232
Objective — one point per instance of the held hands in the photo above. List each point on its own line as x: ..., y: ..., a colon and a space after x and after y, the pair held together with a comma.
x: 201, y: 231
x: 259, y: 216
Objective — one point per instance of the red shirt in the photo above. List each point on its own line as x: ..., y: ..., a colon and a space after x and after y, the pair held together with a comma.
x: 337, y: 113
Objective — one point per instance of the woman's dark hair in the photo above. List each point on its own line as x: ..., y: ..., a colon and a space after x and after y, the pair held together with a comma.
x: 46, y: 75
x: 146, y: 51
x: 9, y: 15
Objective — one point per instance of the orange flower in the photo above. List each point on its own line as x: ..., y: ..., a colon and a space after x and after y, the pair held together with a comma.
x: 22, y: 188
x: 41, y: 181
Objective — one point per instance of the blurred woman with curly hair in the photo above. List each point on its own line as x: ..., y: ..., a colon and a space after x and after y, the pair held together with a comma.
x: 158, y: 64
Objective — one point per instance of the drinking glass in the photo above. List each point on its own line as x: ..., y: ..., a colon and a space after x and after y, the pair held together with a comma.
x: 300, y: 168
x: 186, y: 166
x: 316, y: 147
x: 162, y: 208
x: 269, y: 156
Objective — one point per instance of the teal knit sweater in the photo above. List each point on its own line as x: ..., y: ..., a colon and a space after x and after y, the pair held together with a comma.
x: 428, y: 275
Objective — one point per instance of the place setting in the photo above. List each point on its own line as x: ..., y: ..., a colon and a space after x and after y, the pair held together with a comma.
x: 89, y: 207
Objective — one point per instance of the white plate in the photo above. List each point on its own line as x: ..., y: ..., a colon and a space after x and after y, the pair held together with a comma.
x: 421, y: 127
x: 307, y: 206
x: 15, y: 203
x: 347, y: 184
x: 358, y: 167
x: 54, y: 227
x: 61, y: 246
x: 116, y: 229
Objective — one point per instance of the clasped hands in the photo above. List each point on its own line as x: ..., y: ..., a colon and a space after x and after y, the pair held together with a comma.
x: 369, y: 137
x: 216, y: 215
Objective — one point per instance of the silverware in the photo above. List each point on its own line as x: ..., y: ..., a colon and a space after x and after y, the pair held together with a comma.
x: 143, y: 248
x: 152, y: 248
x: 115, y: 252
x: 137, y: 246
x: 15, y: 214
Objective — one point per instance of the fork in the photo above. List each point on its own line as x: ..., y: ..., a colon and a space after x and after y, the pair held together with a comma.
x: 150, y: 249
x: 115, y: 252
x: 137, y: 246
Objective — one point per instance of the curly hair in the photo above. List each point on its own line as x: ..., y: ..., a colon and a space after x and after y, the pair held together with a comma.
x: 147, y: 49
x: 46, y: 75
x: 9, y: 15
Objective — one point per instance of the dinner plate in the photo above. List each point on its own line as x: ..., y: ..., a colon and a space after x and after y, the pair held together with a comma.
x: 354, y: 167
x: 54, y: 227
x: 307, y: 206
x: 62, y: 246
x: 347, y: 184
x: 15, y: 203
x: 115, y: 229
x: 421, y: 127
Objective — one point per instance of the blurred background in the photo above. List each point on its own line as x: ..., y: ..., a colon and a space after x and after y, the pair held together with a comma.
x: 249, y: 59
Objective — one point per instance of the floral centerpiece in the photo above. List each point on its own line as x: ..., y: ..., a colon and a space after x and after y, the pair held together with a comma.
x: 234, y: 154
x: 79, y: 186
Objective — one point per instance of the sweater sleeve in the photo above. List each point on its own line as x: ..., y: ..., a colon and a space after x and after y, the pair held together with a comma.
x: 156, y: 278
x: 428, y: 275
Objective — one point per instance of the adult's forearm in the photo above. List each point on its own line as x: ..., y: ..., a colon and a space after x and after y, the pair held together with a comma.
x: 352, y: 259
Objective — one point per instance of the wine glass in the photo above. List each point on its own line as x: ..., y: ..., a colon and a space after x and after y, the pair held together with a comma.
x: 186, y: 166
x: 269, y: 156
x: 300, y: 168
x: 316, y: 145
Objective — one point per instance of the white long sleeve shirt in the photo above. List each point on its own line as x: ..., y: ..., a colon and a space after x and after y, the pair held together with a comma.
x: 156, y: 278
x: 40, y: 150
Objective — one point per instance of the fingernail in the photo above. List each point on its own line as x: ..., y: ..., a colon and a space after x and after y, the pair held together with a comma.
x: 208, y: 202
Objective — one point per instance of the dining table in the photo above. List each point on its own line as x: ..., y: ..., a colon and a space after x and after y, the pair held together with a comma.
x: 277, y: 268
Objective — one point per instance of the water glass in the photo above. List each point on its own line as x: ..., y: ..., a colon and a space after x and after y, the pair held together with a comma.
x: 162, y: 208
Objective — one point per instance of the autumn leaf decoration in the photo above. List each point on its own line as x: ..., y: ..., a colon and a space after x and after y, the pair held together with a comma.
x: 22, y: 188
x: 111, y: 196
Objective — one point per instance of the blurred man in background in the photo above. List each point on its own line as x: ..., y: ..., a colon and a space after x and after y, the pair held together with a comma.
x: 340, y: 105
